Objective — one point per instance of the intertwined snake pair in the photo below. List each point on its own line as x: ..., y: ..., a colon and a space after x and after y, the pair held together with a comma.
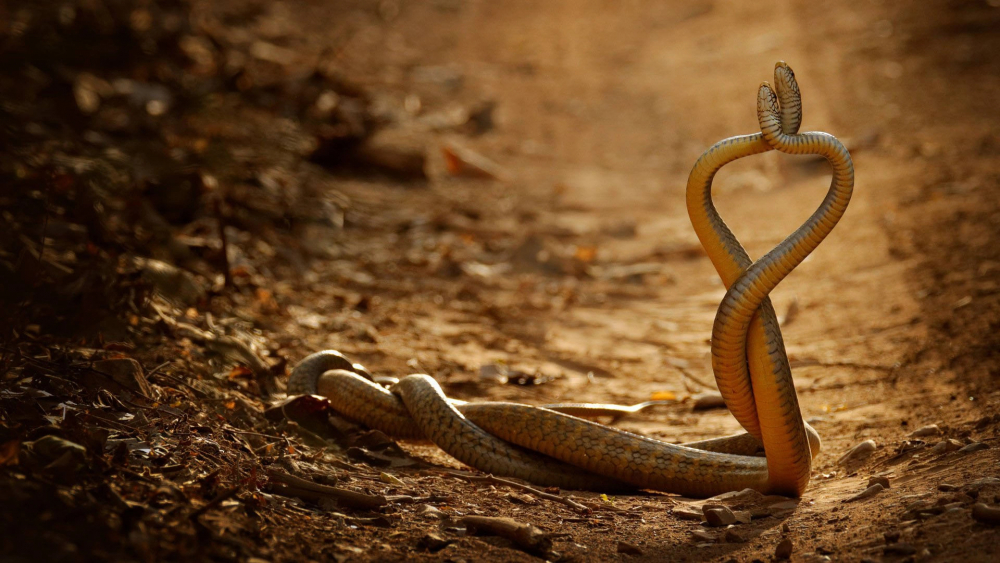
x: 748, y: 357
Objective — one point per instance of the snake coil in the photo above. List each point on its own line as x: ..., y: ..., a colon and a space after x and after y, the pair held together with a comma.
x: 551, y: 448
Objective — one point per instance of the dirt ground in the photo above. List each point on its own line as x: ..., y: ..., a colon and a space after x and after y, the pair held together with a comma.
x: 578, y: 268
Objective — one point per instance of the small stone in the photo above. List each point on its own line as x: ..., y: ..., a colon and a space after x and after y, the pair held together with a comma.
x: 947, y: 487
x: 732, y: 536
x: 428, y: 511
x: 785, y: 528
x: 687, y: 513
x: 719, y: 516
x: 785, y: 505
x: 783, y: 549
x: 702, y: 535
x: 432, y: 542
x: 986, y: 514
x: 880, y: 479
x: 518, y: 498
x: 945, y: 446
x: 742, y: 516
x: 858, y: 453
x: 708, y: 401
x: 815, y: 558
x: 899, y: 549
x: 867, y: 493
x: 891, y: 536
x: 974, y: 447
x: 628, y: 549
x: 923, y: 432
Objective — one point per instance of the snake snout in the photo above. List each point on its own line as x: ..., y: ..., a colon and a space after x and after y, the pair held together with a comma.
x: 767, y: 99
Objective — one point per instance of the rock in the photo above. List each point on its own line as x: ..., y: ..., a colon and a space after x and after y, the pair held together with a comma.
x: 433, y: 542
x: 719, y: 516
x: 628, y: 549
x: 946, y: 446
x: 742, y: 516
x: 923, y: 432
x: 879, y: 479
x: 708, y: 401
x: 947, y: 488
x: 744, y: 495
x: 986, y: 514
x: 687, y: 513
x: 891, y: 536
x: 790, y: 504
x: 784, y: 549
x: 125, y: 372
x: 702, y: 535
x: 867, y: 493
x: 732, y: 536
x: 974, y: 447
x: 428, y: 511
x: 464, y: 162
x: 858, y: 453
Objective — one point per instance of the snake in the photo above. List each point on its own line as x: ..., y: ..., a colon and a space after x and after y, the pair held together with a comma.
x: 552, y: 448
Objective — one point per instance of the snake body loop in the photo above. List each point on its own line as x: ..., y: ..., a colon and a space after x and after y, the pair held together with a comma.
x: 748, y: 358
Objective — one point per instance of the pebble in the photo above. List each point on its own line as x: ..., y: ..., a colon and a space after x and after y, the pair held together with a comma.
x: 930, y: 430
x: 986, y: 514
x: 708, y: 401
x: 867, y: 493
x: 702, y: 535
x: 428, y: 511
x: 732, y: 536
x: 783, y: 549
x: 628, y: 549
x: 879, y: 479
x: 945, y: 446
x: 858, y: 453
x: 974, y: 447
x: 432, y: 542
x: 687, y: 513
x: 719, y: 516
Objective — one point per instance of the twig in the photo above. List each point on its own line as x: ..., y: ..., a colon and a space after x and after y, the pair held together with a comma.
x: 575, y: 506
x: 525, y: 536
x: 296, y: 486
x: 808, y: 362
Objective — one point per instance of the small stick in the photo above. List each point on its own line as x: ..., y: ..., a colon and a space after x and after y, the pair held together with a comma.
x: 577, y: 507
x: 525, y: 536
x: 303, y: 488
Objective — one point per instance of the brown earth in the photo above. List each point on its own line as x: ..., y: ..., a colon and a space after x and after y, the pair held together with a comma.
x: 580, y: 267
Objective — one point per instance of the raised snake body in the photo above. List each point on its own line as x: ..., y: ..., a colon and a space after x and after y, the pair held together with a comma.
x: 748, y: 358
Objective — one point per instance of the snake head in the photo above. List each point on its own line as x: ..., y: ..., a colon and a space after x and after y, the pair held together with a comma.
x: 789, y: 96
x: 767, y: 100
x: 768, y: 112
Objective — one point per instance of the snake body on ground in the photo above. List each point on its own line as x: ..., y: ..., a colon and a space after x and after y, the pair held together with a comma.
x: 550, y: 448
